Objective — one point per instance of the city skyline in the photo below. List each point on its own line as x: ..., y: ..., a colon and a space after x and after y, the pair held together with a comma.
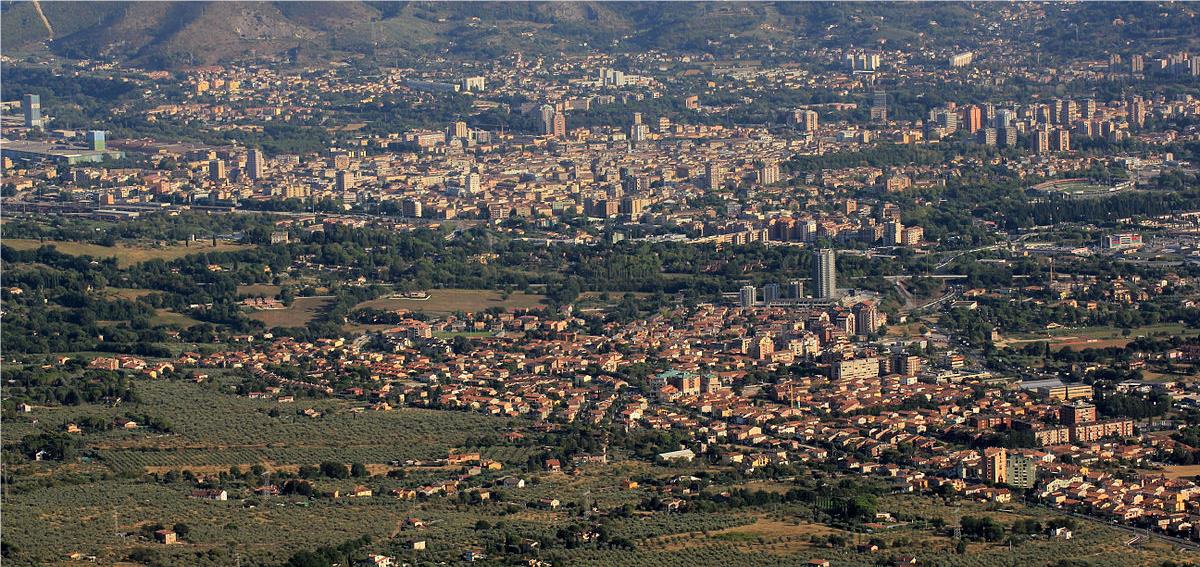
x: 599, y: 283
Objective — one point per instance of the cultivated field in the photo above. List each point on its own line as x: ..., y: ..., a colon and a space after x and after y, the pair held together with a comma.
x: 84, y: 508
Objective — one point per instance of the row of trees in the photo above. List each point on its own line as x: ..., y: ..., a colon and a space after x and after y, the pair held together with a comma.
x: 69, y: 386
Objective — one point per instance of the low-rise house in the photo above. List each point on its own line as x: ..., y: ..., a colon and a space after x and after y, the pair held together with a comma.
x: 513, y: 482
x: 210, y: 494
x: 682, y: 455
x: 378, y: 561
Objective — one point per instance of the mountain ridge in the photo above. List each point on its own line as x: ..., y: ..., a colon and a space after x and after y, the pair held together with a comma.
x: 168, y: 35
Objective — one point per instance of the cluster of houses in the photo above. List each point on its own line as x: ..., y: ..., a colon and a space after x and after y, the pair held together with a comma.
x: 865, y: 401
x: 131, y: 363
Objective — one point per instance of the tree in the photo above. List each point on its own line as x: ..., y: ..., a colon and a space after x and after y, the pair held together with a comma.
x: 182, y: 530
x: 287, y: 295
x: 462, y: 345
x: 334, y: 470
x: 56, y: 446
x: 359, y: 470
x: 301, y: 487
x: 984, y: 528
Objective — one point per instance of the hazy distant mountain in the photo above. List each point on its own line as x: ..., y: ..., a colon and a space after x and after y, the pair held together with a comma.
x: 172, y: 34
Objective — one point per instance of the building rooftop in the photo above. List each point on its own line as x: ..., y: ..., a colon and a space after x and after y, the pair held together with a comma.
x: 56, y: 151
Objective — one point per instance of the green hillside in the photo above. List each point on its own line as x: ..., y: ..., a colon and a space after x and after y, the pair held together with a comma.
x: 170, y: 34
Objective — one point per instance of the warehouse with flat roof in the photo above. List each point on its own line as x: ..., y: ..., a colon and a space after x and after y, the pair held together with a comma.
x: 56, y: 151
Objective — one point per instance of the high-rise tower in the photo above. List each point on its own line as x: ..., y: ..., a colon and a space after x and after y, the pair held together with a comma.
x: 825, y: 274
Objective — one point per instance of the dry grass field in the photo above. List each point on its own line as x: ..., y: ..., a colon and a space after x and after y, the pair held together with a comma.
x: 452, y: 300
x: 126, y: 255
x: 1091, y: 337
x: 1178, y: 471
x: 264, y: 290
x: 168, y: 317
x: 302, y: 310
x: 771, y: 536
x: 128, y: 292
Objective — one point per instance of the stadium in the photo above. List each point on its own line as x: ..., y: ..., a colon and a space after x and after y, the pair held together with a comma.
x: 1081, y: 188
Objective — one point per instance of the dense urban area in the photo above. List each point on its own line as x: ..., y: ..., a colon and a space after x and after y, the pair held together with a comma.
x: 383, y: 284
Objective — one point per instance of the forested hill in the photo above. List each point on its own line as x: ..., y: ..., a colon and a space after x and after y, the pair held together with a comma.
x: 176, y: 34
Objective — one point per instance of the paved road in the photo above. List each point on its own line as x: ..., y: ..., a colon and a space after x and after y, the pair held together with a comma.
x: 957, y: 255
x: 1185, y: 543
x: 930, y: 276
x: 938, y: 301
